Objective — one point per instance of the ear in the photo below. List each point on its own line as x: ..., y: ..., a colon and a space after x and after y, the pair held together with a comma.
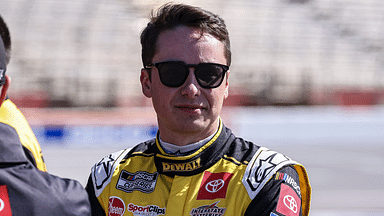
x: 226, y: 86
x: 145, y: 83
x: 4, y: 89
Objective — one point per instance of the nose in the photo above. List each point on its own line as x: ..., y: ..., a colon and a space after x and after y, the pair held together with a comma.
x: 190, y: 88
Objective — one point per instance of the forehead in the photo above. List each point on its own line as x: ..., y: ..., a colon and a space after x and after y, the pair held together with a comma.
x: 189, y: 45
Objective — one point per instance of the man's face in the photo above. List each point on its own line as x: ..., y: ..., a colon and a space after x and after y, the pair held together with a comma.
x: 188, y: 113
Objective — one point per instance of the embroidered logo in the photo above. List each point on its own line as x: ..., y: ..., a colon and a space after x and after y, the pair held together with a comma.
x: 264, y: 166
x: 289, y: 203
x: 116, y: 206
x: 182, y: 167
x: 214, y: 185
x: 208, y: 210
x: 150, y: 210
x: 103, y: 170
x: 141, y: 181
x: 261, y: 168
x: 288, y: 179
x: 5, y: 205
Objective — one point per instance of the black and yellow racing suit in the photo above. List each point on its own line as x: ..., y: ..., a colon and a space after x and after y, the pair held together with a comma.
x: 227, y: 176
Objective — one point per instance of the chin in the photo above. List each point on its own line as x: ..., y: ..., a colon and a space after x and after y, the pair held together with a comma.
x: 196, y: 126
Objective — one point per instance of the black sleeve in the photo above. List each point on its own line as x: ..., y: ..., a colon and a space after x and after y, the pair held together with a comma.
x: 71, y: 194
x: 97, y: 210
x: 29, y: 156
x: 32, y: 191
x: 267, y: 201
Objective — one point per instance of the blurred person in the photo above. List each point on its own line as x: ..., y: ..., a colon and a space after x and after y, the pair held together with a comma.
x: 195, y: 165
x: 25, y: 186
x: 11, y: 115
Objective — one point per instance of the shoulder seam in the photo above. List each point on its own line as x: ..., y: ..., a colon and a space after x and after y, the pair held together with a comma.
x: 233, y: 160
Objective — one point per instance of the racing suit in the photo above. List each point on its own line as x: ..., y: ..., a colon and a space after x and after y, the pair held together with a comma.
x: 10, y: 116
x: 226, y: 176
x: 26, y: 190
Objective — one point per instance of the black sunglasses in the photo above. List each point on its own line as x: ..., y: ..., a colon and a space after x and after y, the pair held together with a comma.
x: 175, y: 73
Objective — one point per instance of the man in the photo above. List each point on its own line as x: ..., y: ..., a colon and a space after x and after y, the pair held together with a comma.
x: 25, y: 189
x: 195, y: 165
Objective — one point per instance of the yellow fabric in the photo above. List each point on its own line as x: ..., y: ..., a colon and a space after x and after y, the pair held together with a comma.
x: 144, y: 180
x: 305, y: 188
x: 178, y: 194
x: 11, y: 115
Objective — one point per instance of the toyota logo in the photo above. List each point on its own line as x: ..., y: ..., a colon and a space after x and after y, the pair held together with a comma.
x: 215, y: 185
x: 291, y: 203
x: 1, y: 205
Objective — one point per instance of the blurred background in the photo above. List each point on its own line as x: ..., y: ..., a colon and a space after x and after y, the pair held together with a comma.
x: 307, y: 80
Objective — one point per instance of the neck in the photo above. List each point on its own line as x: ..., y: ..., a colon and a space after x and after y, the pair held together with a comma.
x: 4, y: 89
x: 183, y: 150
x: 186, y: 138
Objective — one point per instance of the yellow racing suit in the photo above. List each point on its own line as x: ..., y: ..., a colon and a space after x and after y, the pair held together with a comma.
x: 226, y: 176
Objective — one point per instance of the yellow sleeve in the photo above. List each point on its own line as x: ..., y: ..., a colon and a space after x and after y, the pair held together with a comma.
x: 11, y: 115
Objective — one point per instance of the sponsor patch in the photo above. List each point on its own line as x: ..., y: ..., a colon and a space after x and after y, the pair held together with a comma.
x: 5, y: 205
x: 182, y: 167
x: 103, y: 170
x: 150, y: 210
x: 116, y: 206
x: 141, y: 181
x: 261, y: 168
x: 208, y: 210
x: 214, y: 185
x: 289, y: 203
x: 288, y: 179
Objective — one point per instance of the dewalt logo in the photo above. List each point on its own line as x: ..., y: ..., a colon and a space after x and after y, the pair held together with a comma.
x: 182, y: 167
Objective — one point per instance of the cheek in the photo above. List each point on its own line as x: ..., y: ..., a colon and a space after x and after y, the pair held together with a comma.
x: 216, y: 99
x: 158, y: 98
x: 161, y: 97
x: 221, y: 93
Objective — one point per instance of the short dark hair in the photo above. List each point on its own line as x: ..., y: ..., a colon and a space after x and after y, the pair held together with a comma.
x: 5, y: 36
x: 170, y: 16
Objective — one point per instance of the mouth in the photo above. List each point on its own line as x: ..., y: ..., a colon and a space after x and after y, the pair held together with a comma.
x: 191, y: 109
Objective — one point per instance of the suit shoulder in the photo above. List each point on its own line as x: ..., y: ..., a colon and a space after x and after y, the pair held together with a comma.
x: 242, y: 150
x: 263, y: 165
x: 102, y: 171
x: 142, y: 149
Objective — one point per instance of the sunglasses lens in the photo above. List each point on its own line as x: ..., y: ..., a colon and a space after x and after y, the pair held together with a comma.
x: 172, y: 74
x: 209, y: 75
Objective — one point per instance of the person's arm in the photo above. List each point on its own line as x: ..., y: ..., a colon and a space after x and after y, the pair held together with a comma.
x: 280, y: 196
x: 10, y: 115
x: 71, y: 196
x: 97, y: 210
